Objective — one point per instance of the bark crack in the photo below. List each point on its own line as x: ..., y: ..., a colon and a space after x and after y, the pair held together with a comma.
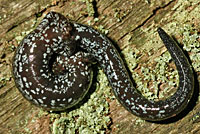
x: 154, y: 12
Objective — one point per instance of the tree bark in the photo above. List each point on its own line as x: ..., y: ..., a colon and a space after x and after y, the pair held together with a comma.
x: 126, y: 21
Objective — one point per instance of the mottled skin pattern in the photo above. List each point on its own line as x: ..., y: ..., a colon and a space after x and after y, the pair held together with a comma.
x: 101, y: 49
x: 34, y: 77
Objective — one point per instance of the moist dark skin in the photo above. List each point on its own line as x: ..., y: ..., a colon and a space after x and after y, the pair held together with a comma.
x: 103, y: 51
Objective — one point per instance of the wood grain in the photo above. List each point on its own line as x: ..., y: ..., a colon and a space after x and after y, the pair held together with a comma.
x: 16, y: 113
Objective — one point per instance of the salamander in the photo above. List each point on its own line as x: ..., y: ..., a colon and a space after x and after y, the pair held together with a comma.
x: 75, y: 45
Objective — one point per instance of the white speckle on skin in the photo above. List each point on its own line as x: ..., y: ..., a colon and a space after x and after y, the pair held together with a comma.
x: 69, y: 100
x: 41, y: 101
x: 33, y: 91
x: 53, y: 102
x: 24, y: 79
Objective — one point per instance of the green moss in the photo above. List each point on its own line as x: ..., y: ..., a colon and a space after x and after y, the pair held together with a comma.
x: 148, y: 78
x: 185, y: 27
x: 185, y: 33
x: 4, y: 80
x: 90, y: 7
x: 42, y: 113
x: 192, y: 45
x: 119, y: 14
x: 91, y: 117
x: 102, y: 29
x: 28, y: 131
x: 195, y: 118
